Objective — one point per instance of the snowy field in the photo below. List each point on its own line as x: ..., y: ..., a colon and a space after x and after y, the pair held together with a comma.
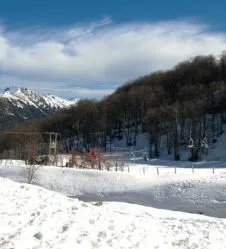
x: 34, y: 218
x: 146, y: 206
x: 202, y: 192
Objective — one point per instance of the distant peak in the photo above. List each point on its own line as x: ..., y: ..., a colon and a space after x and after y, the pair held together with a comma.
x: 30, y: 97
x: 11, y: 89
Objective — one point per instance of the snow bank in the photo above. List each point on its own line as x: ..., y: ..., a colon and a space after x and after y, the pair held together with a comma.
x: 11, y: 162
x: 32, y: 217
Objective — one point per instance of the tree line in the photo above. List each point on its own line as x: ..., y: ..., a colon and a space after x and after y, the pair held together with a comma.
x: 177, y: 105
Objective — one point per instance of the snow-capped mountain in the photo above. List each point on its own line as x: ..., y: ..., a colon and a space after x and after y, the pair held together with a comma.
x: 19, y: 103
x: 22, y: 97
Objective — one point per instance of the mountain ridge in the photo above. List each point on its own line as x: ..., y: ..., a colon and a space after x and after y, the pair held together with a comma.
x: 18, y: 104
x: 30, y: 97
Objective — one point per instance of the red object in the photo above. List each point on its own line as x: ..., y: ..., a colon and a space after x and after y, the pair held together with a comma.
x: 93, y: 156
x: 73, y: 156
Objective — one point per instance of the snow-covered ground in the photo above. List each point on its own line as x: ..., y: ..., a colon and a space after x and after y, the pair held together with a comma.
x: 202, y: 192
x: 34, y: 218
x: 11, y: 162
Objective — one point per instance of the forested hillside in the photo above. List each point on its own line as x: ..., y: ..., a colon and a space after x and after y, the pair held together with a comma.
x: 187, y: 101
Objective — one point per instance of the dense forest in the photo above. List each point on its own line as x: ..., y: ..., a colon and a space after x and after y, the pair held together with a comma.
x: 188, y: 101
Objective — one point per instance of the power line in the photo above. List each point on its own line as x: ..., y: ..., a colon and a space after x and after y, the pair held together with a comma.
x: 52, y: 143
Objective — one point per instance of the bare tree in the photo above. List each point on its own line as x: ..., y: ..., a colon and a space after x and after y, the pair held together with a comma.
x: 32, y: 165
x: 31, y: 172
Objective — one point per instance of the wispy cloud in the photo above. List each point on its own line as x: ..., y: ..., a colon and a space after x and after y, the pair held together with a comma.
x: 86, y: 56
x: 79, y: 92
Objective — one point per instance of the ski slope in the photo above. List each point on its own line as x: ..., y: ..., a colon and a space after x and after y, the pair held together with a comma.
x: 216, y: 151
x: 34, y: 218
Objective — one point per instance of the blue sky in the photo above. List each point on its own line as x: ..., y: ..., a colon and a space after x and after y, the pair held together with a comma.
x: 66, y: 12
x: 88, y: 48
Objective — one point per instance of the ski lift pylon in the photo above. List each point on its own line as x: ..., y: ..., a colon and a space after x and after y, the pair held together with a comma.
x: 132, y: 154
x: 145, y: 155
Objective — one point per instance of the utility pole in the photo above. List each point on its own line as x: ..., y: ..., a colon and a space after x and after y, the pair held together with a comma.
x: 53, y: 146
x: 55, y: 149
x: 50, y: 143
